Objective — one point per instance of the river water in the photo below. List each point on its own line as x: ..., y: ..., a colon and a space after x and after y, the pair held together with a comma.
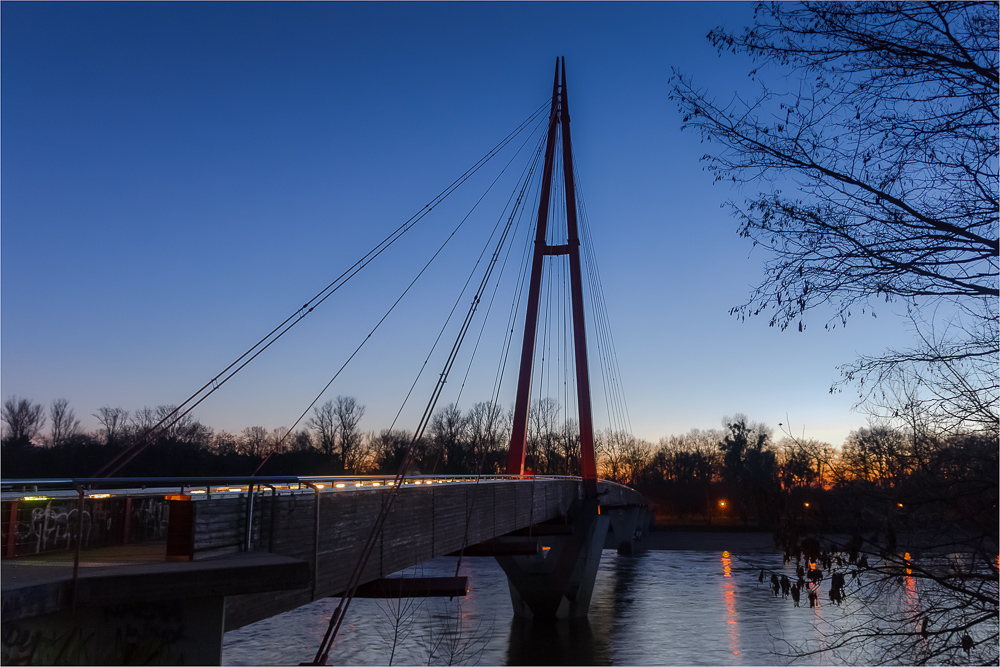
x: 678, y: 607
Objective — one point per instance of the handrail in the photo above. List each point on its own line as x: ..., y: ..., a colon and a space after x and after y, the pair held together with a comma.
x: 146, y: 483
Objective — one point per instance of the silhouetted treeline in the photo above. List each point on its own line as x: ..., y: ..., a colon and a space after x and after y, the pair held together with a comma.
x: 332, y: 443
x: 882, y: 478
x: 737, y: 472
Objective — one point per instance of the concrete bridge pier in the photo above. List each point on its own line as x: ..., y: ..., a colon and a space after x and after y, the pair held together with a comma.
x: 628, y: 526
x: 558, y: 582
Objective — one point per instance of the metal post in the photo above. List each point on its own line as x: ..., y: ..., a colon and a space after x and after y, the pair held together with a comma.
x: 248, y: 536
x: 11, y: 546
x: 315, y: 573
x: 79, y: 543
x: 127, y: 523
x: 270, y: 528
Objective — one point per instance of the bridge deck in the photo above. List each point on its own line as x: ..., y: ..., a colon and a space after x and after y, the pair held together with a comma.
x: 315, y: 535
x: 425, y: 522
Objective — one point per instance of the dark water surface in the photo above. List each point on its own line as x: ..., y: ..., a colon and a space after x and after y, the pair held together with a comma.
x: 681, y: 607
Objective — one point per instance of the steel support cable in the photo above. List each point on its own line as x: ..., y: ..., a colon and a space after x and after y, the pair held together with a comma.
x: 445, y: 325
x: 599, y: 319
x: 515, y: 307
x: 387, y: 501
x: 597, y: 295
x: 562, y: 365
x: 568, y: 357
x: 612, y: 396
x: 493, y: 405
x: 514, y: 209
x: 517, y: 210
x: 611, y: 352
x: 545, y: 379
x: 555, y: 327
x: 278, y: 446
x: 569, y: 370
x: 609, y: 401
x: 210, y: 387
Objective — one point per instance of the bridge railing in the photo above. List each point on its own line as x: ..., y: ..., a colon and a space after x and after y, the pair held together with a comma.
x: 98, y: 487
x: 48, y: 514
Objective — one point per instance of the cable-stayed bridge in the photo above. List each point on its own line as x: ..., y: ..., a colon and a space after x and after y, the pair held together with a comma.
x: 241, y: 549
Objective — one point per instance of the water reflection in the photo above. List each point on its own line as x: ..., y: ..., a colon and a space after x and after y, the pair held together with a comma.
x: 660, y: 608
x: 564, y: 642
x: 729, y: 596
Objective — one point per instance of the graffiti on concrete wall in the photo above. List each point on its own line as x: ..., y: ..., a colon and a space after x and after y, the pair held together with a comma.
x: 111, y: 635
x: 57, y: 524
x: 149, y: 518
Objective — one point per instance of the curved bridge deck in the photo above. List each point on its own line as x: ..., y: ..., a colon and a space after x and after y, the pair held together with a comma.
x: 319, y: 522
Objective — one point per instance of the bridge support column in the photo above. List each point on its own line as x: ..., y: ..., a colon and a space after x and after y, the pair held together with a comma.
x: 559, y: 582
x: 628, y: 525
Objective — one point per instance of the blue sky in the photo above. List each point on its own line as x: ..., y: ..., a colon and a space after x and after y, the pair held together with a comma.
x: 177, y: 178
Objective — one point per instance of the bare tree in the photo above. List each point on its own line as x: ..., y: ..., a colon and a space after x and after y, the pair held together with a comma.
x: 569, y: 448
x: 918, y: 552
x: 24, y: 420
x: 113, y: 422
x: 488, y: 429
x: 181, y: 428
x: 389, y: 449
x: 882, y: 122
x: 254, y: 440
x: 874, y: 146
x: 224, y: 442
x: 876, y: 455
x: 301, y: 441
x: 621, y: 456
x: 682, y: 470
x: 324, y: 423
x: 447, y: 435
x: 347, y: 413
x: 142, y: 420
x: 64, y: 423
x: 397, y: 619
x: 543, y: 434
x: 456, y: 637
x: 804, y: 462
x: 279, y: 440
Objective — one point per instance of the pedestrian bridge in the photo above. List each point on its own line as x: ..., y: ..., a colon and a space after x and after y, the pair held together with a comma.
x: 240, y: 550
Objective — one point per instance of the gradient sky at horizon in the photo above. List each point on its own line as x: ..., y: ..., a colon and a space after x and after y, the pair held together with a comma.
x: 177, y: 178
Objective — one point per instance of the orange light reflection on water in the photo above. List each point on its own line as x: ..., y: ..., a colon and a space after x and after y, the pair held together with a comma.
x: 729, y: 597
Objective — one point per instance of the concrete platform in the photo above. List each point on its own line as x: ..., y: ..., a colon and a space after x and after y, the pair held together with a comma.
x: 43, y: 584
x: 129, y: 606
